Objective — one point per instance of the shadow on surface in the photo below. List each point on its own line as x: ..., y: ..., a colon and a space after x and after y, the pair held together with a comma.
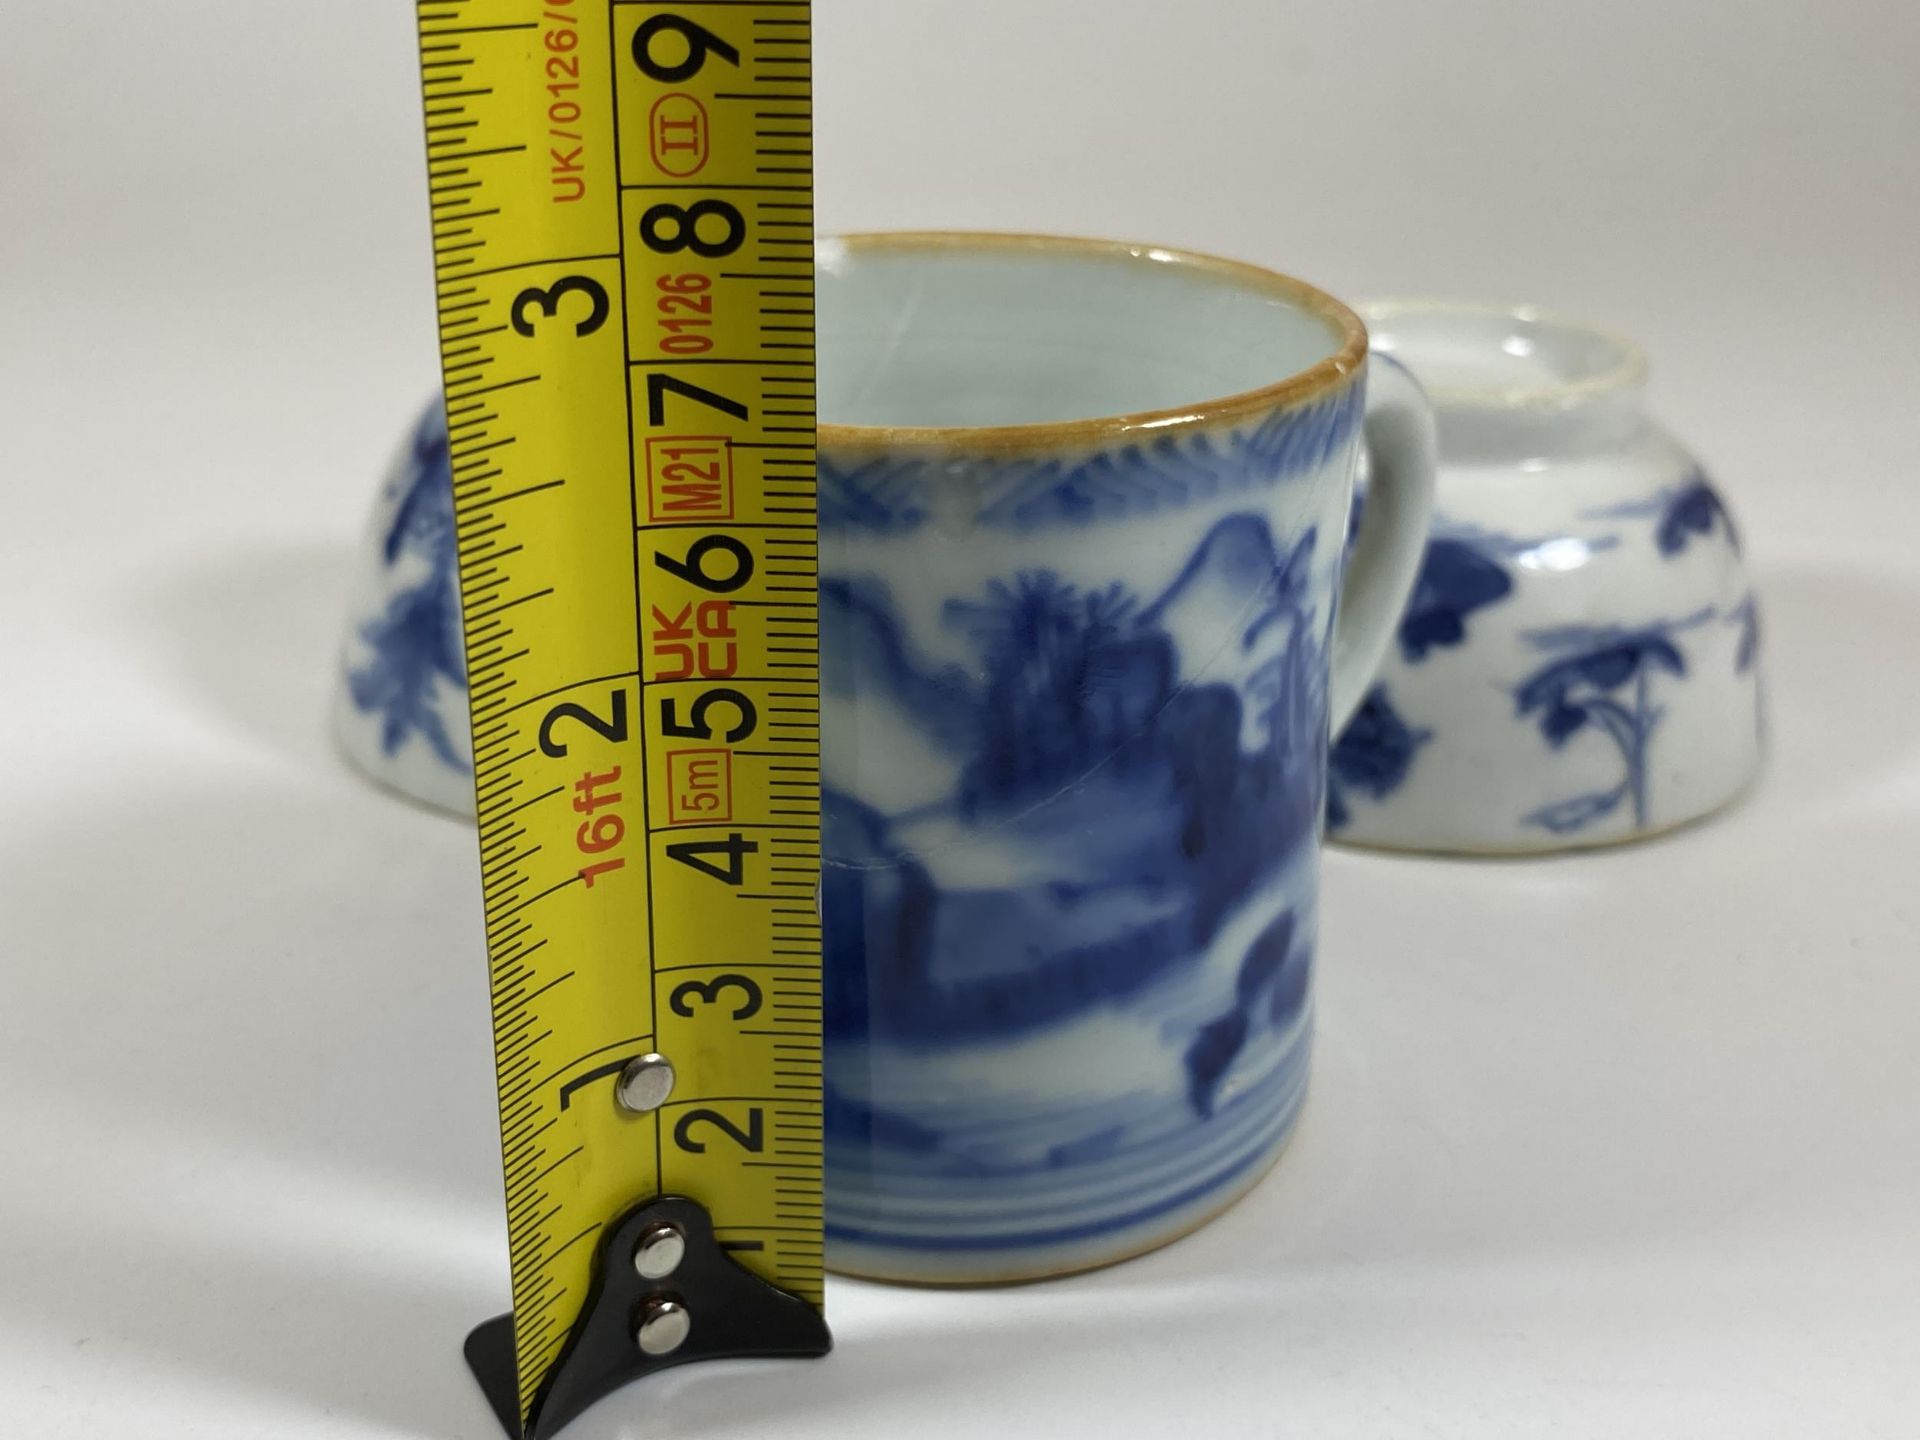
x: 1831, y: 643
x: 274, y: 1012
x: 962, y: 1363
x: 326, y: 1333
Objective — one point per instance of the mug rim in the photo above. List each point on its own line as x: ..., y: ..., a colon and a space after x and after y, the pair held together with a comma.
x: 1626, y: 369
x: 1347, y: 331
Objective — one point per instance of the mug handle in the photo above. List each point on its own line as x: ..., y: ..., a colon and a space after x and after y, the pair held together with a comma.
x: 1401, y: 454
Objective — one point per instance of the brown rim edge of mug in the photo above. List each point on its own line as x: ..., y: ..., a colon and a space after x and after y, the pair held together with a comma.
x: 1321, y: 377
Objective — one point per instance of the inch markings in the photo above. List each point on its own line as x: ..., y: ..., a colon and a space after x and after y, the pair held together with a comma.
x: 621, y: 202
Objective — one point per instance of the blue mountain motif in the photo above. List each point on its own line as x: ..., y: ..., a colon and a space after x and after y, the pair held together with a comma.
x: 416, y: 642
x: 891, y: 495
x: 1237, y: 560
x: 1694, y: 509
x: 1681, y: 514
x: 1373, y: 756
x: 1459, y: 574
x: 1144, y: 763
x: 1456, y: 578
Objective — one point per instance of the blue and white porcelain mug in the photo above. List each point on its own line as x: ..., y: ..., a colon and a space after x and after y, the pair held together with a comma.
x: 1081, y: 662
x: 1085, y: 634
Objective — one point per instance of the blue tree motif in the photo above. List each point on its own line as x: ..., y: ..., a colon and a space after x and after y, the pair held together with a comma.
x: 1581, y: 688
x: 416, y: 641
x: 1062, y: 690
x: 1374, y: 755
x: 1694, y: 508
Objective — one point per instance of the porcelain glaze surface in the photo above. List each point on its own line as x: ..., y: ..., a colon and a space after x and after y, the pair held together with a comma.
x: 1077, y: 698
x: 400, y: 707
x: 1579, y: 661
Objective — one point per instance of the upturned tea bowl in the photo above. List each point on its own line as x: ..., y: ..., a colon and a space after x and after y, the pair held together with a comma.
x: 1579, y: 663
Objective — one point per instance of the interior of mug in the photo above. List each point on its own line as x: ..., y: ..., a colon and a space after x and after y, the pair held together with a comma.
x: 989, y: 331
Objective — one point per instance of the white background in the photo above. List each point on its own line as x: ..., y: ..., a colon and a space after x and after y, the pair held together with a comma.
x: 1616, y: 1146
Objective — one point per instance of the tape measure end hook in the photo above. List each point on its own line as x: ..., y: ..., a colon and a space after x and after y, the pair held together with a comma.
x: 666, y: 1292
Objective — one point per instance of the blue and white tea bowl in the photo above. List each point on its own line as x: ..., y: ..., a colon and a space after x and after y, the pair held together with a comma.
x: 1579, y: 661
x: 1079, y: 676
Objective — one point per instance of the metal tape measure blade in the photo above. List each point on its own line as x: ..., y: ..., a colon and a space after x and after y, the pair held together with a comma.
x: 623, y: 240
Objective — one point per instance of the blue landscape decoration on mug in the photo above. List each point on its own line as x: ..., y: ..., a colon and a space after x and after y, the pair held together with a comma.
x: 1079, y: 717
x: 1108, y: 862
x: 1110, y: 866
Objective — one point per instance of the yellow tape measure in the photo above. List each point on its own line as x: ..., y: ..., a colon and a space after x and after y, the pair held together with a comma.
x: 623, y: 241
